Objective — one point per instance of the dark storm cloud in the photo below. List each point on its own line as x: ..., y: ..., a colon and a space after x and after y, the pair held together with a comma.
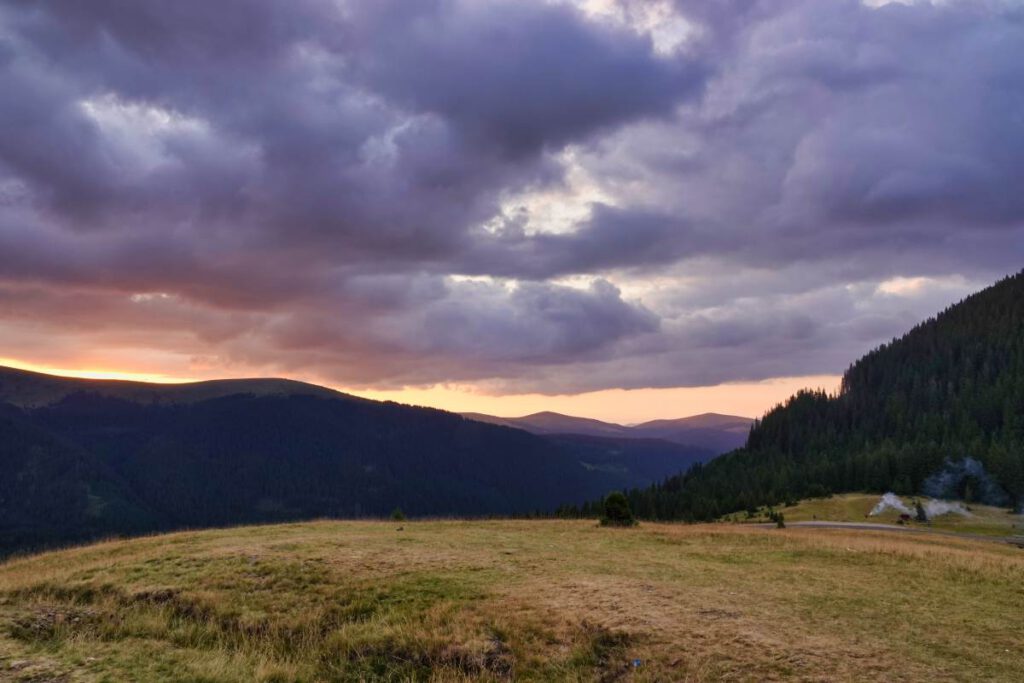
x: 519, y: 76
x: 344, y: 188
x: 871, y: 129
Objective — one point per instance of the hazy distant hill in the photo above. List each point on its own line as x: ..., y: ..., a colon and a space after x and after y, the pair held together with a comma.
x: 905, y: 419
x: 702, y: 421
x: 716, y: 432
x: 83, y: 458
x: 709, y: 431
x: 554, y: 423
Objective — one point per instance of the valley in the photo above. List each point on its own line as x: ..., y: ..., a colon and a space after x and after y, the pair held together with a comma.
x: 710, y: 431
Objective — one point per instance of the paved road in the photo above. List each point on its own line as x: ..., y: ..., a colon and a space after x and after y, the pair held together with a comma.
x: 873, y: 526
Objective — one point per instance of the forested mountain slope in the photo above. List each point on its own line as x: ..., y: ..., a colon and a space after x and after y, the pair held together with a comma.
x: 90, y: 465
x: 951, y: 388
x: 86, y: 458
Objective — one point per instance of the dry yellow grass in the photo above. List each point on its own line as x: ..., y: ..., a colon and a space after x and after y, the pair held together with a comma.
x: 524, y: 600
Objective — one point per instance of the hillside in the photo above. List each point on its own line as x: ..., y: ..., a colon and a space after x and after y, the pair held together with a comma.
x: 87, y: 458
x: 937, y: 411
x: 709, y: 431
x: 27, y: 389
x: 515, y: 600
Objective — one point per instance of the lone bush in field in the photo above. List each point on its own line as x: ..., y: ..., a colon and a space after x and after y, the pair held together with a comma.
x: 397, y: 515
x: 616, y: 510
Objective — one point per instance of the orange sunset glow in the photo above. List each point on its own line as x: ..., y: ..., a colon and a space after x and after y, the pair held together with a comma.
x: 748, y: 399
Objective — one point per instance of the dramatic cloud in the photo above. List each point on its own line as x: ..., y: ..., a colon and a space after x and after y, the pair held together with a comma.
x: 537, y: 196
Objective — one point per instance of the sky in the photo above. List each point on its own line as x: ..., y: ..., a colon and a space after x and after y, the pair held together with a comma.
x: 625, y: 210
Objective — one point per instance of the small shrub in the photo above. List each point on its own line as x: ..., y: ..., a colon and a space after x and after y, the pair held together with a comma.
x: 616, y: 510
x: 397, y: 515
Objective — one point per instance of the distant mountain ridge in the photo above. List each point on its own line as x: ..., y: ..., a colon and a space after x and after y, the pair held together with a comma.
x: 27, y: 389
x: 711, y: 431
x: 547, y: 422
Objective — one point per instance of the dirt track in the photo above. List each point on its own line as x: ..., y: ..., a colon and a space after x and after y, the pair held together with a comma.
x: 872, y: 526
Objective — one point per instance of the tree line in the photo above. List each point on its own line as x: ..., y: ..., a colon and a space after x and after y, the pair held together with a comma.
x: 952, y: 387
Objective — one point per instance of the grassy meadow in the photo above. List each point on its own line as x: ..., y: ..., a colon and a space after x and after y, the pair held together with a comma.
x: 522, y: 600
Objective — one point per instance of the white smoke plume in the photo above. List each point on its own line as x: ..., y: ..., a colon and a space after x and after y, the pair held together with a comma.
x: 890, y: 500
x: 934, y: 508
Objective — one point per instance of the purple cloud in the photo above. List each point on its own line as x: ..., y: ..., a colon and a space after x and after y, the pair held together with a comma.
x: 513, y: 192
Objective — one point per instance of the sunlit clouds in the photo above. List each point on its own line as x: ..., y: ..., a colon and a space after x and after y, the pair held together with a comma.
x: 529, y: 200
